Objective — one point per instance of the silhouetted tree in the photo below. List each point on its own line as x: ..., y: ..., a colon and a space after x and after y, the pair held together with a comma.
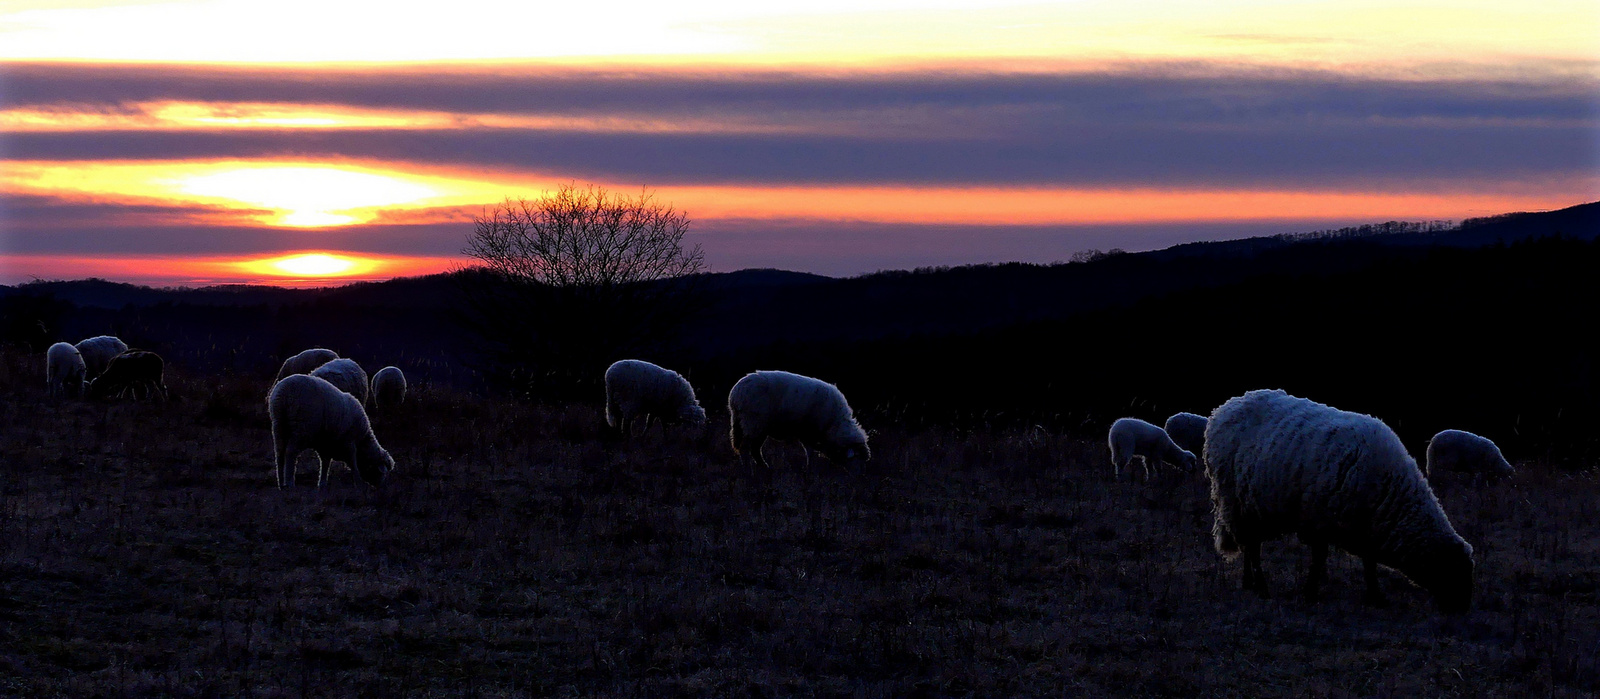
x: 577, y: 279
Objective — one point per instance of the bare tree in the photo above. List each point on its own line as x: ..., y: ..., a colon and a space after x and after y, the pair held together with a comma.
x: 577, y: 279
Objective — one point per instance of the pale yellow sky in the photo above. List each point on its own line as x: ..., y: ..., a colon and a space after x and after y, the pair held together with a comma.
x: 1354, y: 34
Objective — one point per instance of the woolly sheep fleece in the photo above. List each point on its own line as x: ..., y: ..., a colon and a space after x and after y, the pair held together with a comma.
x: 785, y: 406
x: 1188, y: 430
x: 1130, y: 437
x: 1284, y: 465
x: 139, y: 372
x: 310, y: 413
x: 64, y: 370
x: 388, y: 388
x: 346, y: 375
x: 99, y: 351
x: 304, y: 362
x: 1465, y: 452
x: 635, y: 387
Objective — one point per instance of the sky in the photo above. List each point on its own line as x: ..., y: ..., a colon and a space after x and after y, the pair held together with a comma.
x: 196, y: 142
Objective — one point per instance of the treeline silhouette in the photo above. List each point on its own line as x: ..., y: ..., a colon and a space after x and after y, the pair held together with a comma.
x: 1427, y: 326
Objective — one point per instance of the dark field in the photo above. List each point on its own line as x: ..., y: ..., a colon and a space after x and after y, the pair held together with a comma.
x: 515, y: 552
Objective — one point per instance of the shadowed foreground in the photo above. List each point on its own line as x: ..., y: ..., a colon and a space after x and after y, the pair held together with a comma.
x: 145, y: 550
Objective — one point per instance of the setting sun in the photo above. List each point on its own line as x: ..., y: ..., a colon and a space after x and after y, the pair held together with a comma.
x: 316, y: 264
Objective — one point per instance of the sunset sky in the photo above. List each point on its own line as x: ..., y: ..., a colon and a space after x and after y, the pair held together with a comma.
x: 207, y: 141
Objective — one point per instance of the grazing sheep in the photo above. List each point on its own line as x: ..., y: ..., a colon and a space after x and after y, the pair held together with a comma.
x: 310, y: 413
x: 637, y: 388
x: 304, y: 362
x: 346, y: 375
x: 1132, y: 437
x: 64, y: 370
x: 388, y: 389
x: 134, y: 372
x: 1188, y: 430
x: 1285, y: 465
x: 1465, y: 452
x: 787, y: 406
x: 98, y: 352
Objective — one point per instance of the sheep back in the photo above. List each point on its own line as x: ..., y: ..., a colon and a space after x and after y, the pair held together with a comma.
x: 1284, y: 465
x: 99, y: 351
x: 346, y: 375
x: 1188, y: 430
x: 635, y: 387
x: 306, y: 361
x: 781, y: 405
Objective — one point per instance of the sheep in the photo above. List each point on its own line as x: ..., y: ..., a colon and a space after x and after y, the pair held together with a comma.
x: 64, y: 370
x: 1284, y: 465
x: 1188, y: 430
x: 346, y: 375
x: 1465, y: 452
x: 787, y: 406
x: 304, y: 362
x: 135, y: 372
x: 1132, y: 437
x: 98, y: 352
x: 388, y: 389
x: 637, y: 388
x: 310, y: 413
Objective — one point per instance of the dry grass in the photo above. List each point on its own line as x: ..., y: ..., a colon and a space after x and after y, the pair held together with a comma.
x: 144, y: 551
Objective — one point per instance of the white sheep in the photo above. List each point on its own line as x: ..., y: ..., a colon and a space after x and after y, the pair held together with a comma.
x: 637, y: 388
x: 1132, y: 437
x: 1284, y: 465
x: 1465, y: 452
x: 304, y: 362
x: 64, y: 370
x: 1188, y: 430
x: 388, y: 388
x: 346, y: 375
x: 785, y: 406
x: 310, y: 413
x: 99, y: 351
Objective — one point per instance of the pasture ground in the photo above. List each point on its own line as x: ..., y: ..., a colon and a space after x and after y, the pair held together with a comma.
x: 144, y: 551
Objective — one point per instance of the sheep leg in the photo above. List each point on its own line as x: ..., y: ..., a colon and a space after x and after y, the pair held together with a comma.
x: 1374, y: 595
x: 1254, y: 577
x: 1319, y: 569
x: 285, y: 462
x: 324, y: 465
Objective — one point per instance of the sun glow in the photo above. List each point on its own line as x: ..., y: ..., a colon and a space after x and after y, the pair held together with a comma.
x: 291, y: 195
x: 317, y: 264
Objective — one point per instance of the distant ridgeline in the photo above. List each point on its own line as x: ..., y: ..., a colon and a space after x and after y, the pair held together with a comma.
x: 1426, y: 325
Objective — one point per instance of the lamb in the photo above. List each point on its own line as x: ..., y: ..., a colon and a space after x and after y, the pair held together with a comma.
x: 787, y: 406
x: 310, y: 413
x: 1465, y: 452
x: 135, y: 372
x: 1285, y: 465
x: 346, y: 375
x: 64, y: 370
x: 1131, y: 437
x: 637, y: 388
x: 304, y: 362
x: 388, y: 389
x: 1188, y: 430
x: 99, y: 351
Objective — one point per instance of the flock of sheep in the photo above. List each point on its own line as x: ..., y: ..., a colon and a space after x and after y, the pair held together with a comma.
x: 1277, y: 464
x: 103, y: 367
x: 1282, y: 465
